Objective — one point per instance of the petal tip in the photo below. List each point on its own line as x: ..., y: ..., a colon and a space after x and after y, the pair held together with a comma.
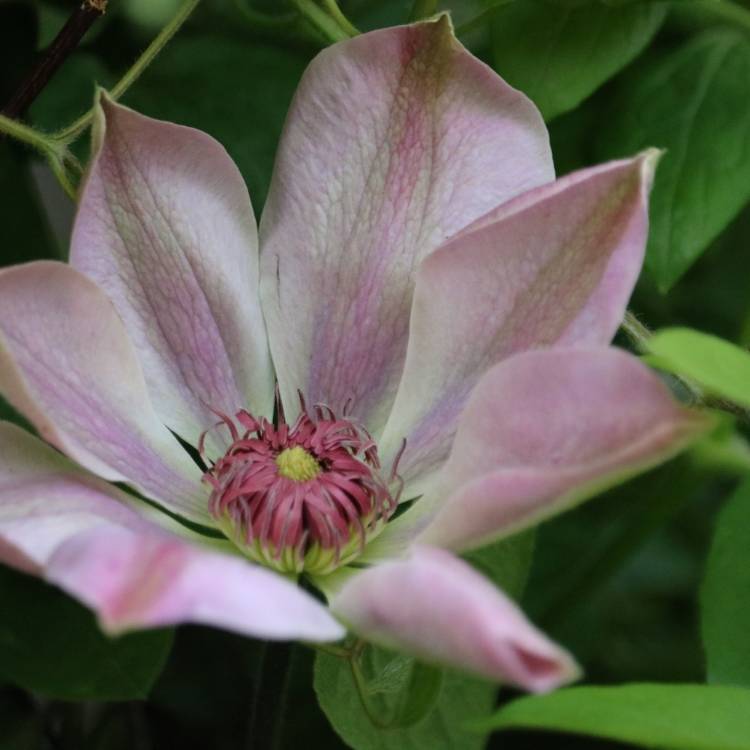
x: 549, y: 673
x: 648, y: 161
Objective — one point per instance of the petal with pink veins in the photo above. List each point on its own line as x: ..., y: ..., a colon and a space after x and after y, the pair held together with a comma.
x: 166, y: 228
x: 136, y: 581
x: 437, y: 607
x: 45, y: 499
x: 542, y: 432
x: 67, y: 364
x: 554, y: 267
x: 396, y: 140
x: 74, y: 530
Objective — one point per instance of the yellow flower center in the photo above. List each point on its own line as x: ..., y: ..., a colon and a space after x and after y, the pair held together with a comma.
x: 297, y: 464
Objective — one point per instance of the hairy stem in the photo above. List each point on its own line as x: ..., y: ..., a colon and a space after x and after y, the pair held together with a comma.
x: 26, y: 134
x: 57, y: 165
x: 636, y: 332
x: 335, y: 12
x: 639, y: 335
x: 79, y: 22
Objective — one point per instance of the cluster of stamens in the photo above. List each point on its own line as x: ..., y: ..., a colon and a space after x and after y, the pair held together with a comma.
x: 300, y: 497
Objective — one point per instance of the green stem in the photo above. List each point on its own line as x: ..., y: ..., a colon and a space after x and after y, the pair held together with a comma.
x: 27, y: 135
x: 54, y: 152
x: 636, y: 332
x: 423, y: 9
x: 325, y: 648
x: 165, y: 35
x: 335, y: 12
x: 67, y: 39
x: 57, y: 165
x: 361, y: 684
x: 264, y: 20
x: 320, y: 20
x: 639, y: 335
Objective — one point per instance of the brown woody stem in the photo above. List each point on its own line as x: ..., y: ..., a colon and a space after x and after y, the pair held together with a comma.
x: 54, y: 56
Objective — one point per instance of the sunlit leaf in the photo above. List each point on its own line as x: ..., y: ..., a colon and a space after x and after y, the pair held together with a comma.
x: 717, y: 365
x: 674, y: 717
x: 725, y: 598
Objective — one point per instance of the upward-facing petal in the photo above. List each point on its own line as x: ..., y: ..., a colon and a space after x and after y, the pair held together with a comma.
x: 395, y: 140
x: 555, y: 266
x: 166, y: 228
x: 67, y: 364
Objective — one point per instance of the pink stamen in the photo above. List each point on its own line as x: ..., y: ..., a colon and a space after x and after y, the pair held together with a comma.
x: 333, y: 510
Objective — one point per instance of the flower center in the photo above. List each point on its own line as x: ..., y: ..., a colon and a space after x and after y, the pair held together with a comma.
x: 300, y: 497
x: 297, y: 464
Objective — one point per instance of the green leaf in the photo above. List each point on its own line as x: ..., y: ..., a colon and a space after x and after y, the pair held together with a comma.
x: 674, y: 717
x: 245, y: 91
x: 393, y: 676
x: 401, y: 690
x: 414, y: 685
x: 725, y: 597
x: 420, y: 695
x: 719, y: 366
x: 52, y: 645
x: 459, y: 698
x: 694, y: 104
x: 560, y: 54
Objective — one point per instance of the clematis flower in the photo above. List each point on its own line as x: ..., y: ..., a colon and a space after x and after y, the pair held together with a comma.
x: 415, y: 363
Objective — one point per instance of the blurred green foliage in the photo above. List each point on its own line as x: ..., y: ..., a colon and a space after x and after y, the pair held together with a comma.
x: 617, y: 580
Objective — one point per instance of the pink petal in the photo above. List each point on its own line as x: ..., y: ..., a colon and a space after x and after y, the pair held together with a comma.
x: 151, y: 580
x: 555, y: 266
x: 166, y: 228
x: 546, y: 430
x: 45, y: 499
x: 67, y: 364
x: 396, y: 140
x: 440, y: 609
x: 74, y: 530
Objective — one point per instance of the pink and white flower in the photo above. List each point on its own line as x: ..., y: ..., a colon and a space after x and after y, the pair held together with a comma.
x: 426, y: 322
